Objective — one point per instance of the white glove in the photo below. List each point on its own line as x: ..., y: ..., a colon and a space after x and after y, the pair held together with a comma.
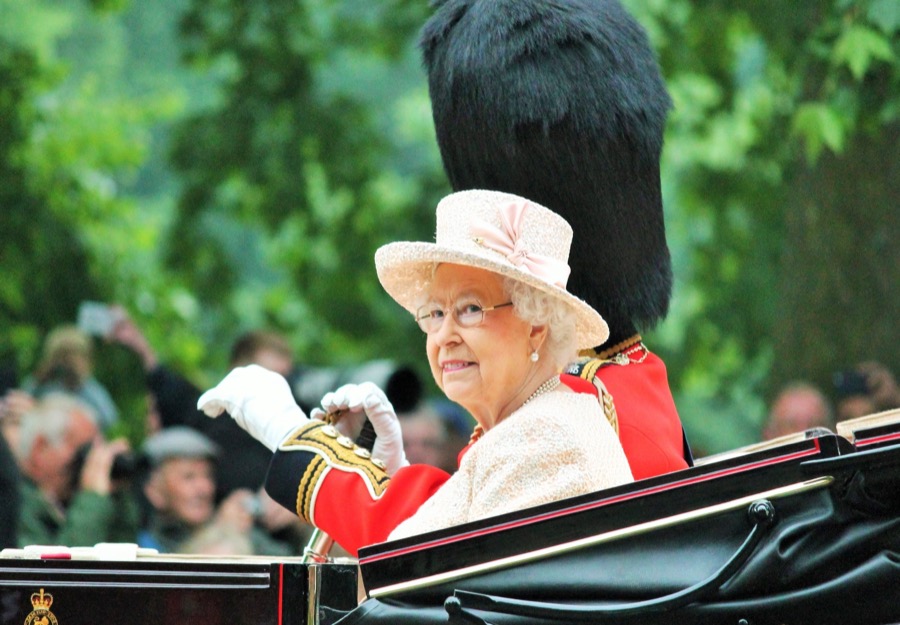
x: 259, y: 400
x: 368, y: 398
x: 347, y: 423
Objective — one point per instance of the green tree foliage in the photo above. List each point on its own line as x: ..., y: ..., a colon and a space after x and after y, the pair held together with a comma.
x: 39, y: 191
x: 294, y: 176
x: 72, y: 141
x: 780, y: 235
x: 221, y: 165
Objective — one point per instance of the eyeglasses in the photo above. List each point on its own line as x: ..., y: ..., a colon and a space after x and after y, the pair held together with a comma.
x: 467, y: 313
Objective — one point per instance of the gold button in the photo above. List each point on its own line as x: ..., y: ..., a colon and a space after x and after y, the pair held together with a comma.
x: 343, y: 441
x: 362, y: 452
x: 330, y: 431
x: 378, y: 462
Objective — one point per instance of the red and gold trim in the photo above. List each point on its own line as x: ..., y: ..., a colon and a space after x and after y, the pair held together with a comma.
x: 586, y: 369
x: 331, y: 451
x: 644, y: 415
x: 618, y: 348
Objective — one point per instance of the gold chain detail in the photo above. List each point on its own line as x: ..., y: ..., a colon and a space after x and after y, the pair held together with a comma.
x: 608, y: 353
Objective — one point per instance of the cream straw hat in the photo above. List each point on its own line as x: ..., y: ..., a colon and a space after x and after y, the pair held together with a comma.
x: 499, y: 232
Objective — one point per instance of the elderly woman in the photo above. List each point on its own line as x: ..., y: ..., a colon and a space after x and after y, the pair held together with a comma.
x: 500, y: 326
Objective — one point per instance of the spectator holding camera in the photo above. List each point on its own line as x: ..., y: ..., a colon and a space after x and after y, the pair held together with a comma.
x: 867, y: 388
x: 62, y: 503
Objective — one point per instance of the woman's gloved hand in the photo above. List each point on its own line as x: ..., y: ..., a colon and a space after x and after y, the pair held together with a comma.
x: 259, y: 400
x: 368, y: 399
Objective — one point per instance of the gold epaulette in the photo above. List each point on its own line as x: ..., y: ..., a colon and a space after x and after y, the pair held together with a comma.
x: 331, y: 450
x: 586, y: 368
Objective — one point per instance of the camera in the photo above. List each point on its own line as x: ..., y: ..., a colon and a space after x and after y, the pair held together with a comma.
x: 124, y: 467
x: 96, y: 318
x: 400, y: 383
x: 849, y: 382
x: 253, y: 506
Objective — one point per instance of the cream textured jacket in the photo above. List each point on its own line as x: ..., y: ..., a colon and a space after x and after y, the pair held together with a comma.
x: 558, y: 445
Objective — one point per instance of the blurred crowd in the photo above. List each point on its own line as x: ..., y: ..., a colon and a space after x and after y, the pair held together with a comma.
x: 799, y: 406
x: 192, y: 485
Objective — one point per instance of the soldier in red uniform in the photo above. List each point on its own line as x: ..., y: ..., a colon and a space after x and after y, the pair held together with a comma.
x: 563, y: 103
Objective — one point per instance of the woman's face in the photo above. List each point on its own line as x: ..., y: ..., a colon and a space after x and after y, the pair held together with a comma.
x: 483, y: 368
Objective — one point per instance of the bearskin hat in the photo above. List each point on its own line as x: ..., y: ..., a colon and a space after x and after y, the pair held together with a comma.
x: 563, y: 103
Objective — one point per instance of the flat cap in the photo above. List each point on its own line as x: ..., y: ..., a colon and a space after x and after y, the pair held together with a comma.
x: 178, y: 442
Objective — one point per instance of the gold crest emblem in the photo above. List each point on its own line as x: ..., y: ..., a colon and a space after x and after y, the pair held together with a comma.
x: 41, y: 614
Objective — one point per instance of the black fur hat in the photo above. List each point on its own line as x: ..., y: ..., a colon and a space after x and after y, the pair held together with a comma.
x: 561, y: 102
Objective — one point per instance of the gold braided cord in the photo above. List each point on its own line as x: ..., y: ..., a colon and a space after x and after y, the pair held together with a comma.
x: 311, y: 476
x: 590, y: 368
x: 588, y: 371
x: 323, y: 440
x: 609, y: 409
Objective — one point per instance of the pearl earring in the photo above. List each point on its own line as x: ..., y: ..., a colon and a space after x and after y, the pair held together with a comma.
x: 535, y: 356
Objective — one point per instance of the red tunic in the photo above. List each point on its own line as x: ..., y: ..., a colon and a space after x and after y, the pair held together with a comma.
x: 648, y: 424
x: 341, y: 491
x: 355, y: 519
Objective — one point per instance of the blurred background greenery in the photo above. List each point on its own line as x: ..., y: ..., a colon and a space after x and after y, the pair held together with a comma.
x: 222, y: 165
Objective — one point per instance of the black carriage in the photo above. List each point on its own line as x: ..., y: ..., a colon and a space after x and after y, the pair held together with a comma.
x: 802, y: 530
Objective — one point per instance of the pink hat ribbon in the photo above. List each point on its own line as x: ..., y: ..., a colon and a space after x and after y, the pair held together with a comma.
x: 508, y: 242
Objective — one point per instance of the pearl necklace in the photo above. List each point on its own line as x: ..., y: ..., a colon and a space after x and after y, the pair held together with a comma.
x: 546, y: 387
